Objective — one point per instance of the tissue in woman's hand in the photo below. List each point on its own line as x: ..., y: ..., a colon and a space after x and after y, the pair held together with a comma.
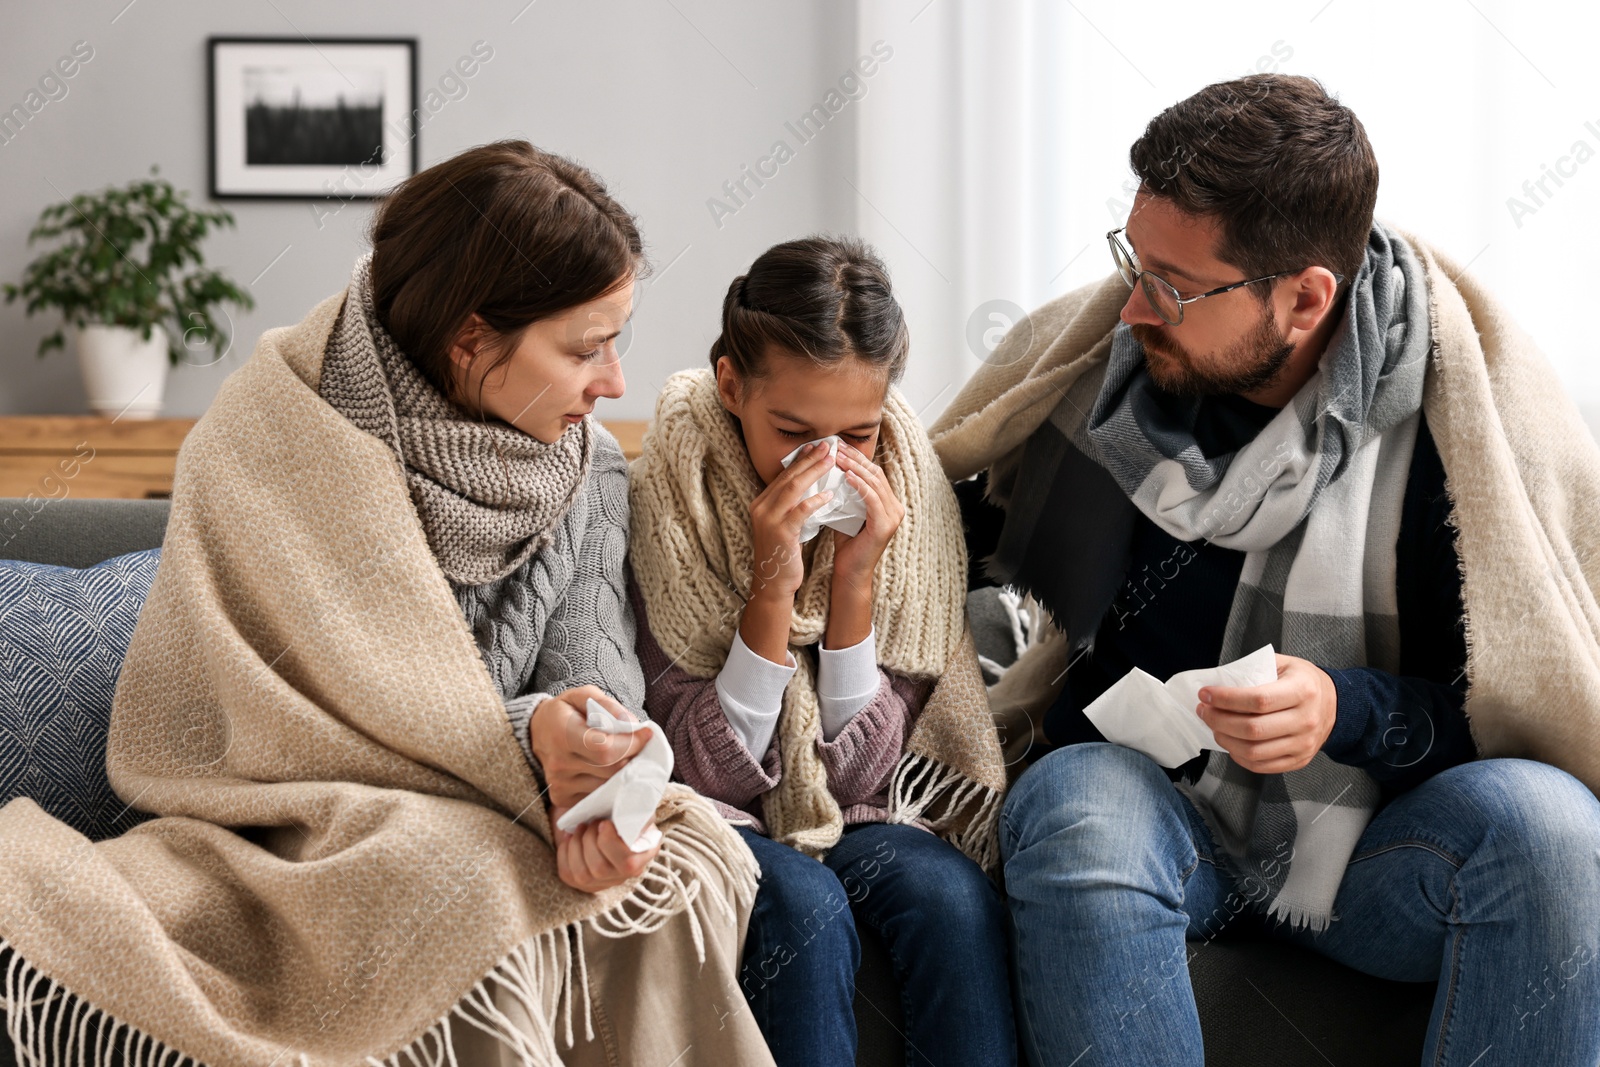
x: 846, y: 512
x: 1159, y: 720
x: 629, y: 797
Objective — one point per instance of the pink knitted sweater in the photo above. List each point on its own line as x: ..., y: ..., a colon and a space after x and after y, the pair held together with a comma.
x: 711, y: 759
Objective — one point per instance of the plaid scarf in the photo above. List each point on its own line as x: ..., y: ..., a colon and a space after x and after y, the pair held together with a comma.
x: 1314, y: 502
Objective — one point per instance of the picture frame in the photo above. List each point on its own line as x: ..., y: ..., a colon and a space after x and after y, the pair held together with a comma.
x: 310, y: 118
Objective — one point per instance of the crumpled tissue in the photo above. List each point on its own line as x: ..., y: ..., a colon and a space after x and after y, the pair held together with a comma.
x: 629, y: 797
x: 846, y: 512
x: 1159, y: 719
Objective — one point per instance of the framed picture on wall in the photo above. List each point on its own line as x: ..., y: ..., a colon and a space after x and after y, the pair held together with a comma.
x: 311, y: 118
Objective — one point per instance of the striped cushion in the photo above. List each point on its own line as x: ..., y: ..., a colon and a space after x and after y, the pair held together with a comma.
x: 63, y: 634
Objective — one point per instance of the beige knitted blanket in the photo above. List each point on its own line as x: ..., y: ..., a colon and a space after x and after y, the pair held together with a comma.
x: 690, y: 493
x: 354, y: 857
x: 1522, y: 471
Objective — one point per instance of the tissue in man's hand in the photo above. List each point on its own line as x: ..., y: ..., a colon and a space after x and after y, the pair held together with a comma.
x: 1159, y: 720
x: 846, y: 512
x: 629, y: 797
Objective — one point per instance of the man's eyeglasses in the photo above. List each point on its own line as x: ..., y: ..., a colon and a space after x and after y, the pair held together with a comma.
x: 1162, y: 294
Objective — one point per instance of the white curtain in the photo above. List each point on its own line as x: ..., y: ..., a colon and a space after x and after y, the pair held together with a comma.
x: 992, y: 147
x: 959, y: 151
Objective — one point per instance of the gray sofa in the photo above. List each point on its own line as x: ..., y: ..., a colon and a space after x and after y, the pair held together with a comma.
x: 1260, y: 1002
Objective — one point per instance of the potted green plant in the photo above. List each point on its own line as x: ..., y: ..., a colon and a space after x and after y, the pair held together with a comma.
x: 128, y: 276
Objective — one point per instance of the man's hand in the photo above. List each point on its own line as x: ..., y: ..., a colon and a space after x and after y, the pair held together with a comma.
x: 576, y: 759
x: 595, y: 857
x: 1277, y: 727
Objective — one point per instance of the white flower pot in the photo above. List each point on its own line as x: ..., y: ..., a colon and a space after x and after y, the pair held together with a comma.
x: 122, y: 372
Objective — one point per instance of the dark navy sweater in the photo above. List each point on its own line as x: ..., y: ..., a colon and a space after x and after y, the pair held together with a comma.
x: 1173, y: 605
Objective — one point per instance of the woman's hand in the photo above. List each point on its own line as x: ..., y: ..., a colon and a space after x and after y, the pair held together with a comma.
x: 776, y: 516
x: 595, y: 857
x: 855, y: 558
x: 576, y: 759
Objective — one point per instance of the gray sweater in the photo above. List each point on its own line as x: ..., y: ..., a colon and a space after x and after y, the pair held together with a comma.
x: 563, y: 618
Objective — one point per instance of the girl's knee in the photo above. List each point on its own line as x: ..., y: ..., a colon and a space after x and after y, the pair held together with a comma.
x: 952, y: 892
x: 968, y: 900
x: 805, y: 895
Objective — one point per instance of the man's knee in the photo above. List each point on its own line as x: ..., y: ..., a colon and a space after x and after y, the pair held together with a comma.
x: 1545, y: 821
x: 1551, y: 809
x: 1091, y: 788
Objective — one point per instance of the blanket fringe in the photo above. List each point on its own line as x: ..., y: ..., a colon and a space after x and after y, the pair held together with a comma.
x: 968, y: 812
x: 36, y: 1005
x: 668, y: 887
x: 1298, y: 916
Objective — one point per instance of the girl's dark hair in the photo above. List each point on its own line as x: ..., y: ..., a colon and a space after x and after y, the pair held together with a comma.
x: 505, y: 230
x: 824, y: 298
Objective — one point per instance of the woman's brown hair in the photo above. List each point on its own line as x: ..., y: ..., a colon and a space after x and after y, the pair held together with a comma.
x: 824, y: 298
x: 505, y: 230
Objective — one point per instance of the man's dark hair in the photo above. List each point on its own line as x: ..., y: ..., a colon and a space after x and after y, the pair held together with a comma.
x: 1286, y: 169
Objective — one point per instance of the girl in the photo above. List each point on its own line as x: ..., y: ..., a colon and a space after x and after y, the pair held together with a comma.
x: 825, y: 693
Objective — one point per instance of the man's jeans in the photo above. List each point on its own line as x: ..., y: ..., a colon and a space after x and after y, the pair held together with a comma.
x: 1485, y: 877
x: 940, y: 918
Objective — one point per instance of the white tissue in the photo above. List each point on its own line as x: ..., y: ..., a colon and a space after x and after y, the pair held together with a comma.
x: 1159, y: 720
x: 629, y: 797
x: 846, y: 512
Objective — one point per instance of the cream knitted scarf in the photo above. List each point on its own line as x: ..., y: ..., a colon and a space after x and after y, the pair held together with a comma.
x: 489, y: 496
x: 352, y: 850
x: 690, y: 493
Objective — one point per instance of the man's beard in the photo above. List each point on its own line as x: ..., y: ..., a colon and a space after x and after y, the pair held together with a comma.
x: 1252, y: 362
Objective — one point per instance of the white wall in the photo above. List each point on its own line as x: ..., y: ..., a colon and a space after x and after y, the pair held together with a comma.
x: 665, y: 100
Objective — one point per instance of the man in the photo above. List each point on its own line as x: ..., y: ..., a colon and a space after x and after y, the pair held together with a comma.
x: 1305, y: 431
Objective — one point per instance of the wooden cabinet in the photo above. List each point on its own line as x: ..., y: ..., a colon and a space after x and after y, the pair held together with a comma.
x: 90, y: 456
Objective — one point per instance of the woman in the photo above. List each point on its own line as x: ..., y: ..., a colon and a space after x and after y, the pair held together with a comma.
x: 392, y: 579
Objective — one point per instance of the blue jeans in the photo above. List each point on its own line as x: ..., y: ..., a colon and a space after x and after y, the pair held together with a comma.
x: 1485, y: 878
x: 939, y: 915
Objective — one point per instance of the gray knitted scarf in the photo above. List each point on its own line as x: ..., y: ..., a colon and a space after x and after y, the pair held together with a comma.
x: 489, y: 496
x: 1314, y: 502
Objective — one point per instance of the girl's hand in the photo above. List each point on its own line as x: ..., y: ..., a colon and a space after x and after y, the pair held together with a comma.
x: 776, y: 516
x: 575, y: 759
x: 595, y: 857
x: 855, y: 558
